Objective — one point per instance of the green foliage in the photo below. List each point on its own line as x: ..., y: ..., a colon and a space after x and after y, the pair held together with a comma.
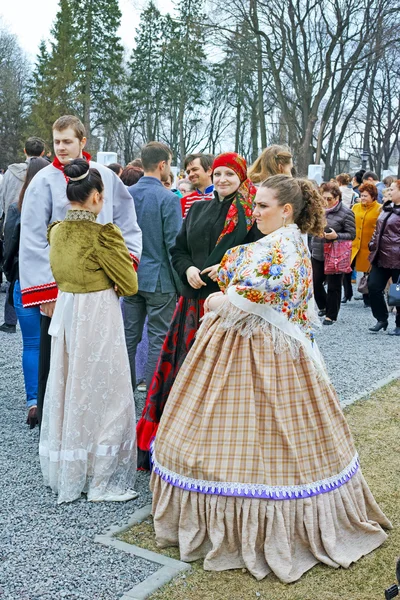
x: 147, y: 74
x: 98, y: 56
x: 167, y: 74
x: 81, y: 73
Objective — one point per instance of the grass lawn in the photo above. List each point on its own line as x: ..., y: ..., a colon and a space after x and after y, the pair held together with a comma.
x: 375, y: 423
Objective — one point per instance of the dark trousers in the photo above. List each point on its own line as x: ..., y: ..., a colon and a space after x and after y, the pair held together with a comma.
x: 159, y: 308
x: 347, y: 286
x: 44, y: 363
x: 329, y: 301
x: 10, y: 316
x: 377, y: 281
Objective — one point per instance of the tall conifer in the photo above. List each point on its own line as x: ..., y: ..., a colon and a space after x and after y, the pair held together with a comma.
x: 54, y: 86
x: 99, y: 55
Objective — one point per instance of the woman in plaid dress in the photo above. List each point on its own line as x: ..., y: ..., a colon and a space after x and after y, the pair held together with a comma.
x: 253, y: 464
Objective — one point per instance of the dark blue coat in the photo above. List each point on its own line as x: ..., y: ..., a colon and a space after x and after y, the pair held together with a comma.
x: 159, y: 216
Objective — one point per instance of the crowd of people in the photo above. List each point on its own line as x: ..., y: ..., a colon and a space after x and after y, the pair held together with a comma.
x: 201, y: 289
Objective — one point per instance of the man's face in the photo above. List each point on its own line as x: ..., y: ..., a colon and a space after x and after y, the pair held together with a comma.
x: 67, y: 146
x: 166, y: 170
x: 197, y: 176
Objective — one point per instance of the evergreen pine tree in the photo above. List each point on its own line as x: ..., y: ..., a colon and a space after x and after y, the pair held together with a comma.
x: 146, y: 74
x: 54, y: 86
x: 99, y: 56
x: 40, y: 117
x: 186, y: 72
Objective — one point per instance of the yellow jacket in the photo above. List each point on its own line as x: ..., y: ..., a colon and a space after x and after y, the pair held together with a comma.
x: 366, y: 217
x: 88, y: 257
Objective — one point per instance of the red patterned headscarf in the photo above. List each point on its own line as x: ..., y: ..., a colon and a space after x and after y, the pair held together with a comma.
x: 244, y: 195
x: 233, y: 161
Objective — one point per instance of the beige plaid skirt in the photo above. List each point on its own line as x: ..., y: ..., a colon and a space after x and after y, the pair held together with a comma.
x: 254, y: 465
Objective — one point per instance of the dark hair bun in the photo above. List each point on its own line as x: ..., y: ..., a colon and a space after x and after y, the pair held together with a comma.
x: 76, y: 168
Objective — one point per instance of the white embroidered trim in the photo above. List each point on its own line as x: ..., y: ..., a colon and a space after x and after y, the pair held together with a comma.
x: 247, y: 489
x: 82, y: 453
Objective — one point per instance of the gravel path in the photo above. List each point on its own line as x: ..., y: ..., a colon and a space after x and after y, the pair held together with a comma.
x: 47, y: 551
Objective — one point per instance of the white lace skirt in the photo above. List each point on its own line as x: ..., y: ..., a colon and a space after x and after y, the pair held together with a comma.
x: 88, y: 432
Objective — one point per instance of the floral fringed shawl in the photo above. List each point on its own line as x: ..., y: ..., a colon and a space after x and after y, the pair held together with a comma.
x: 272, y: 278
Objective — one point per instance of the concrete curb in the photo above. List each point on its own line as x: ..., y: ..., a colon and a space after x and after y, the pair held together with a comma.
x: 170, y: 567
x: 372, y: 388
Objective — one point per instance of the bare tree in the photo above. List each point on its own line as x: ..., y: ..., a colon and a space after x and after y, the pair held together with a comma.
x: 14, y: 98
x: 313, y: 49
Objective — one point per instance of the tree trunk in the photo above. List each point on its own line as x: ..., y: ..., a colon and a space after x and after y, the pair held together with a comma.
x: 238, y: 125
x: 319, y: 143
x: 305, y: 155
x: 260, y: 90
x: 254, y: 132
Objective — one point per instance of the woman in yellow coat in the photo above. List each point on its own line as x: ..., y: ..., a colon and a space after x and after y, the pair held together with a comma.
x: 366, y: 213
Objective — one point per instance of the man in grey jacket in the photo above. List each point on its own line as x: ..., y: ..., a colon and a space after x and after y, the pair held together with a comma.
x: 46, y: 201
x: 159, y: 216
x: 9, y: 193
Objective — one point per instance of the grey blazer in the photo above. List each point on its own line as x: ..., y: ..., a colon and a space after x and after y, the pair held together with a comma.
x: 159, y: 216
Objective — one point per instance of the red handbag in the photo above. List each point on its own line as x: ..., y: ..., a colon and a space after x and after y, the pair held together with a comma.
x: 337, y: 257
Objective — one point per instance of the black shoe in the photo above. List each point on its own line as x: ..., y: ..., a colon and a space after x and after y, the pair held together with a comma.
x: 321, y: 313
x: 395, y: 331
x: 379, y: 325
x: 328, y: 322
x: 345, y: 300
x: 32, y: 417
x: 8, y: 328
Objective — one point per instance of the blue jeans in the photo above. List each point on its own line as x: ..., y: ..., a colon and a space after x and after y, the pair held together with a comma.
x: 29, y: 321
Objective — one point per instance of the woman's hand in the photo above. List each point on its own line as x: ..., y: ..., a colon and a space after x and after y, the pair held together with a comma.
x: 214, y: 301
x: 332, y: 235
x: 48, y: 308
x: 212, y: 272
x: 194, y: 279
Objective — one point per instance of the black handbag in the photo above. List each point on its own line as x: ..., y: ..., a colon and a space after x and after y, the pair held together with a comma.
x: 393, y: 298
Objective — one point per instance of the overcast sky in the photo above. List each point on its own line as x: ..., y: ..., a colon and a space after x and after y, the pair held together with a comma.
x: 31, y: 21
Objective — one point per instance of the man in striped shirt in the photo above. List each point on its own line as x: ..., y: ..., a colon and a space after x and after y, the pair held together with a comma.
x: 198, y: 168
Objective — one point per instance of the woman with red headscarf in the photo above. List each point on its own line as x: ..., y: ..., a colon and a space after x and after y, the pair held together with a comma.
x: 209, y: 230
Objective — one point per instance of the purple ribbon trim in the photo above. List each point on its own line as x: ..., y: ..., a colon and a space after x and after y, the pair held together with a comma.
x: 258, y: 491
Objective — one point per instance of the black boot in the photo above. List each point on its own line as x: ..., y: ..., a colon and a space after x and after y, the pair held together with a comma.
x: 396, y: 331
x: 379, y: 325
x: 8, y: 328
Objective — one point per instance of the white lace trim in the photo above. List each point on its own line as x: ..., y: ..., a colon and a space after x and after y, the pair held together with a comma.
x: 83, y: 453
x: 247, y: 489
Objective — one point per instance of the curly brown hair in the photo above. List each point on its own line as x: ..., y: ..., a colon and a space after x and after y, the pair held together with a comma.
x: 370, y: 188
x: 307, y: 202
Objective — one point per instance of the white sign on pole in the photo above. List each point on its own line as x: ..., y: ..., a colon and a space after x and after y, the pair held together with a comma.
x: 316, y: 172
x: 106, y: 158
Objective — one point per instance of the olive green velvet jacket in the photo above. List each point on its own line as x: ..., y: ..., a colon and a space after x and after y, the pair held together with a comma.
x: 88, y: 257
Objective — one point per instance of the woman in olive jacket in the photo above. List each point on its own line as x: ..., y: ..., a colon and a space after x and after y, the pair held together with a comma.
x: 385, y: 259
x: 340, y: 226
